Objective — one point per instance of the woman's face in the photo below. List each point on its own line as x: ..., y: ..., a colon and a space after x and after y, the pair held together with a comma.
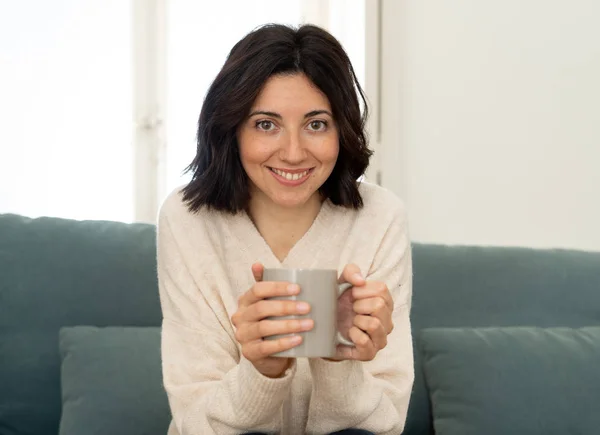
x: 289, y: 143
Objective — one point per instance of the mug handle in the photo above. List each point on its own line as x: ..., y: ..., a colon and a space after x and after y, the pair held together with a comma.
x: 339, y: 337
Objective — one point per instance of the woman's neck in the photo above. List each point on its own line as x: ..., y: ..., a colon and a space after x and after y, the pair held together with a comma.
x: 282, y: 227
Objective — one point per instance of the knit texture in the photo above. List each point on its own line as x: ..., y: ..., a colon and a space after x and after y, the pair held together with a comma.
x: 204, y: 262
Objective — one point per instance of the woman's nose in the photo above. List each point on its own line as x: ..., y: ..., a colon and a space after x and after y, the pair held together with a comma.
x: 292, y: 150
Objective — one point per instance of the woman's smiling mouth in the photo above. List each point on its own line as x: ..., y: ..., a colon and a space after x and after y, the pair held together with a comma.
x: 291, y: 177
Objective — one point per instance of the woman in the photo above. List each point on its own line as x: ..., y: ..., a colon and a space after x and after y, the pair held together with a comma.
x: 281, y: 144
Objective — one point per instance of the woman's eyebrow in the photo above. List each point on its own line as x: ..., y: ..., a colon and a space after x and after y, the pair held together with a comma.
x: 265, y: 113
x: 317, y: 112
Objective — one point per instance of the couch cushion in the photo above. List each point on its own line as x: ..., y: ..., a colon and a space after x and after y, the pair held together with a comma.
x: 54, y: 273
x: 531, y: 381
x: 111, y: 382
x: 456, y: 286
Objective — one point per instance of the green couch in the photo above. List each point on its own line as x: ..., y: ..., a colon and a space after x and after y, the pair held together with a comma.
x: 79, y: 337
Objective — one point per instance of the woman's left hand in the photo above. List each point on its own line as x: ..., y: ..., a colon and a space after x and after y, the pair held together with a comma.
x: 373, y: 305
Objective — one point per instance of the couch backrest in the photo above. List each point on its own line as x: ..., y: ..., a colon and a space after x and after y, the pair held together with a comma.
x: 54, y: 273
x: 481, y: 286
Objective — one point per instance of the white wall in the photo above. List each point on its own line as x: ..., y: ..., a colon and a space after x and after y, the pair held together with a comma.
x: 491, y: 120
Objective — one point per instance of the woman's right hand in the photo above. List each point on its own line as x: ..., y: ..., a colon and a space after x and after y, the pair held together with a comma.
x: 252, y: 325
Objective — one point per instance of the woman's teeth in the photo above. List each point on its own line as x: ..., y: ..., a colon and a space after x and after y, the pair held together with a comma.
x: 289, y: 176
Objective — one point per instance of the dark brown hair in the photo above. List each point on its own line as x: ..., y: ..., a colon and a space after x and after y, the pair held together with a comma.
x: 218, y: 178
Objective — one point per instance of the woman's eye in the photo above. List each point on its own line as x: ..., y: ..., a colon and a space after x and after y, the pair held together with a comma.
x: 318, y: 125
x: 265, y: 125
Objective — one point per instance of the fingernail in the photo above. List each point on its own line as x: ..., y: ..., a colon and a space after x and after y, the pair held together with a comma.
x: 295, y: 339
x: 306, y: 324
x: 302, y: 307
x: 358, y: 276
x: 293, y: 289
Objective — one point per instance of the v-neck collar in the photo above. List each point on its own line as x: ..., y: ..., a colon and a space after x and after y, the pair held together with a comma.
x: 258, y: 249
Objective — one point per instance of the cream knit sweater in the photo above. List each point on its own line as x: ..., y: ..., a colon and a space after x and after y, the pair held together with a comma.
x: 204, y: 264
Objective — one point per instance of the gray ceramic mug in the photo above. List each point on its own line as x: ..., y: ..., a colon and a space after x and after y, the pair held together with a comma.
x: 318, y: 287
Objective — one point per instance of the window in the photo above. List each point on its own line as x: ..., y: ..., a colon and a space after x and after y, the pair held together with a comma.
x: 65, y: 142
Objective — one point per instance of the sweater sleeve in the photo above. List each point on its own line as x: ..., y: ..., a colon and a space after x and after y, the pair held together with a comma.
x: 373, y: 395
x: 210, y: 389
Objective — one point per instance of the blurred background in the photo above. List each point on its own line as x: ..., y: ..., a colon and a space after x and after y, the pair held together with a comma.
x: 485, y: 116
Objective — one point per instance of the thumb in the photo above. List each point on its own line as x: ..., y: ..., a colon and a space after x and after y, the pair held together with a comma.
x: 352, y: 275
x: 257, y: 271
